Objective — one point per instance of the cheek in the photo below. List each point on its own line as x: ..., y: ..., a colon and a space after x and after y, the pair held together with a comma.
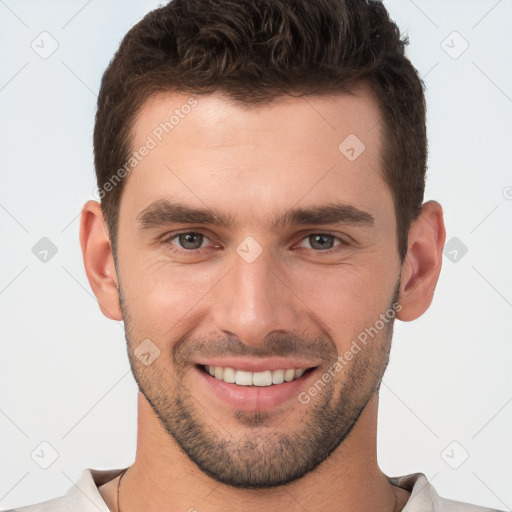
x: 161, y: 294
x: 346, y: 299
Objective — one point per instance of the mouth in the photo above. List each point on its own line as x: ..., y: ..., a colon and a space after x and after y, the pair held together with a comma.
x: 265, y: 378
x: 260, y: 390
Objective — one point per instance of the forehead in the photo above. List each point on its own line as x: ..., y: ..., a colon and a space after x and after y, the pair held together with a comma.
x: 250, y: 161
x: 211, y: 118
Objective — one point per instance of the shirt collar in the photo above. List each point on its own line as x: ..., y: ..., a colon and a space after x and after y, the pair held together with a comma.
x: 423, y: 496
x: 84, y: 495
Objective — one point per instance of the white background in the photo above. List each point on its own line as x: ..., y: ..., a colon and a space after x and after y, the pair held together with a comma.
x: 65, y: 377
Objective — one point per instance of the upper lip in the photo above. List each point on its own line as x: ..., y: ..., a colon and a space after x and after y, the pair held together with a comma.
x: 258, y: 365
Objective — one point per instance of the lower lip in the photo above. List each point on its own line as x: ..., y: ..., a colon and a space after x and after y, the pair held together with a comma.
x: 255, y: 398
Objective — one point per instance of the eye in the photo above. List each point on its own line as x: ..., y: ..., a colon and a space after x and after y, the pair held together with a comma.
x: 189, y: 240
x: 323, y: 242
x: 194, y: 241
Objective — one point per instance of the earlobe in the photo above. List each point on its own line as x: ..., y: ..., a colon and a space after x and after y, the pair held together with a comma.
x: 98, y: 260
x: 422, y: 265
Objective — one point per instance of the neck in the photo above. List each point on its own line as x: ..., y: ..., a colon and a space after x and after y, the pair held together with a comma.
x: 349, y: 480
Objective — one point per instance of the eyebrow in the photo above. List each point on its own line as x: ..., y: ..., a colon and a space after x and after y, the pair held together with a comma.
x: 162, y: 212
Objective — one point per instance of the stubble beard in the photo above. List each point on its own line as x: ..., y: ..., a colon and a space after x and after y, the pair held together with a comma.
x: 260, y: 455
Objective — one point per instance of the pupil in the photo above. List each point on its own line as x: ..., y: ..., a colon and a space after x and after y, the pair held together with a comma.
x: 187, y: 238
x: 319, y: 238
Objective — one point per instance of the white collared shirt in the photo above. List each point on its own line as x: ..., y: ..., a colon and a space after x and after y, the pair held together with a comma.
x: 85, y: 497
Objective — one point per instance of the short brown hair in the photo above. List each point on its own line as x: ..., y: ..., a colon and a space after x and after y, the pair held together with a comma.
x: 255, y: 51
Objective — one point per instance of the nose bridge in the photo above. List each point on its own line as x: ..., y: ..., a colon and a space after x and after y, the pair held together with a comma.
x: 254, y: 299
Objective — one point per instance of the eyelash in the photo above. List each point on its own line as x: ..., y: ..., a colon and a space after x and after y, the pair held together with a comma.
x: 168, y: 239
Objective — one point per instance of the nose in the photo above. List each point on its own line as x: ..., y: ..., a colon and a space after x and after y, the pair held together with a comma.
x: 256, y: 298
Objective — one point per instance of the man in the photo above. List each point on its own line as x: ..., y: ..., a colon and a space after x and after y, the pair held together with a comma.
x: 261, y: 169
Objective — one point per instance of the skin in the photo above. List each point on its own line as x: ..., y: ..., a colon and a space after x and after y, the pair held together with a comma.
x: 292, y: 300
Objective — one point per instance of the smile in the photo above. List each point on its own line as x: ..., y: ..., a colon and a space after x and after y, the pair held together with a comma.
x: 262, y: 379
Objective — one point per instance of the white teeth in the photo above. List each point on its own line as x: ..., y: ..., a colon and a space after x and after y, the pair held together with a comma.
x: 229, y: 375
x: 243, y: 378
x: 262, y: 379
x: 289, y: 375
x: 277, y: 376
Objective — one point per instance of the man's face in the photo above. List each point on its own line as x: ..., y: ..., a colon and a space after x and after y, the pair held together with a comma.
x: 254, y: 293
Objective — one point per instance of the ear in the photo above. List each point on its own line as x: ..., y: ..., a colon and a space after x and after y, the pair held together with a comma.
x: 422, y: 264
x: 98, y: 259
